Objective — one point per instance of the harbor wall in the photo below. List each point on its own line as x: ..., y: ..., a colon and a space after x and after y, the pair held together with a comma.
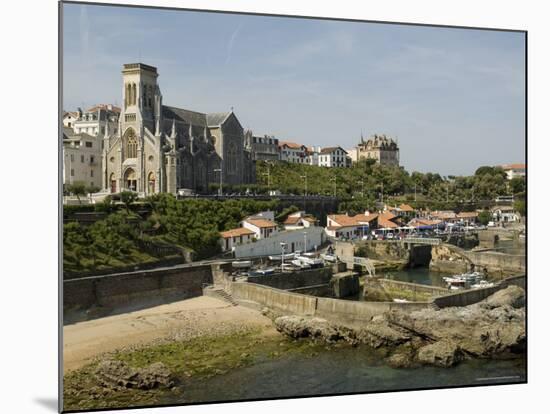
x: 145, y: 287
x: 335, y: 310
x: 293, y: 280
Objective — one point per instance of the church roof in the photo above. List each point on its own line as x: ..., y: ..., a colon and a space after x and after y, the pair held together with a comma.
x: 216, y: 118
x: 194, y: 118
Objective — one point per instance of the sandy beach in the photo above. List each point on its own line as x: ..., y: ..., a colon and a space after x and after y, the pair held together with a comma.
x: 181, y: 320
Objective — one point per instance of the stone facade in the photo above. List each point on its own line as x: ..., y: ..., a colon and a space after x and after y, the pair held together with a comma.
x: 264, y: 148
x: 380, y: 148
x: 160, y: 148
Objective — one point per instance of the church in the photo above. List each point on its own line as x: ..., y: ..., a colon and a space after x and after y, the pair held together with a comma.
x: 159, y: 148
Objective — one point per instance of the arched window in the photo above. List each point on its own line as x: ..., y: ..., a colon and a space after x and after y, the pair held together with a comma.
x: 134, y: 93
x: 144, y: 95
x: 130, y: 148
x: 231, y: 161
x: 150, y: 97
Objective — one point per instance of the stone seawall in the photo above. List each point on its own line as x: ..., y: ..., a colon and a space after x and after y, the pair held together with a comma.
x: 127, y: 289
x: 345, y: 312
x: 414, y: 287
x: 471, y: 296
x: 451, y: 259
x: 294, y: 280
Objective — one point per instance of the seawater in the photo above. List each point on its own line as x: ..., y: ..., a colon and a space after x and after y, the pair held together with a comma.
x: 421, y: 275
x: 342, y: 371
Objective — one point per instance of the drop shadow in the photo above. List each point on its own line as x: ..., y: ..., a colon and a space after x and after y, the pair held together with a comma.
x: 49, y: 403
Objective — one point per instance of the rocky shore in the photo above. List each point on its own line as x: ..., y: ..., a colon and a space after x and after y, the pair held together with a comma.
x: 493, y: 328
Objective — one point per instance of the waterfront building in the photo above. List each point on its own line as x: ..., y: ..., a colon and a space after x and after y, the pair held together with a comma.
x: 403, y: 211
x: 505, y: 214
x: 380, y: 148
x: 514, y: 170
x: 235, y: 237
x: 293, y: 152
x: 160, y: 148
x: 299, y: 220
x: 350, y: 227
x: 262, y: 148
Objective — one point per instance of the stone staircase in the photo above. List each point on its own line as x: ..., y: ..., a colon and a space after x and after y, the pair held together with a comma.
x: 434, y: 306
x: 219, y: 293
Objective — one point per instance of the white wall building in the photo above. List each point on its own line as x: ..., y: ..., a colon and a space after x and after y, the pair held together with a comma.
x: 81, y: 159
x: 333, y: 157
x: 98, y: 121
x: 292, y: 152
x: 299, y: 220
x: 295, y: 240
x: 514, y: 170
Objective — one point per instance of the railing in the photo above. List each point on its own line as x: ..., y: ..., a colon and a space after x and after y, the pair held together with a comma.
x: 422, y: 240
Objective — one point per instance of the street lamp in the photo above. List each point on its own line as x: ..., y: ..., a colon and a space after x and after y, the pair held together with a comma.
x: 362, y: 188
x: 268, y: 176
x: 220, y: 190
x: 283, y: 245
x: 334, y: 179
x: 305, y: 189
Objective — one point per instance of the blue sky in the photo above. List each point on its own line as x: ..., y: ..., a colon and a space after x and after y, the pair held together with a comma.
x: 454, y: 98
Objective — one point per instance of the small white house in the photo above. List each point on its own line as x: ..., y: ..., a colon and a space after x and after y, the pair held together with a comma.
x: 505, y: 214
x: 299, y: 220
x: 235, y: 237
x: 333, y: 157
x: 262, y: 224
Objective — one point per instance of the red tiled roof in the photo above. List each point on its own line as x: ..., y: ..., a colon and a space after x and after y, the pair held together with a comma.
x: 292, y: 220
x: 104, y: 106
x: 467, y: 214
x: 241, y: 231
x: 261, y: 223
x: 513, y: 166
x: 345, y: 220
x: 406, y: 207
x: 290, y: 144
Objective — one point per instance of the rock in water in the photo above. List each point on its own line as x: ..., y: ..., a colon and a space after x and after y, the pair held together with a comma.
x: 315, y: 328
x: 440, y: 353
x: 513, y: 296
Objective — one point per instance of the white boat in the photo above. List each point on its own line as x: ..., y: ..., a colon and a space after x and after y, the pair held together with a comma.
x: 328, y: 258
x: 243, y: 264
x: 400, y: 300
x: 276, y: 258
x: 483, y: 284
x: 265, y: 271
x: 299, y: 263
x: 311, y: 261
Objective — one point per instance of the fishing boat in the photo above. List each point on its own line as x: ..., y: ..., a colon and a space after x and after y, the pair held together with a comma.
x: 328, y: 258
x: 300, y: 264
x: 311, y: 261
x: 242, y: 264
x: 275, y: 258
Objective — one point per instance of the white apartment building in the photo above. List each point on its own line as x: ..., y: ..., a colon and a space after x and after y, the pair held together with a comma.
x: 81, y: 159
x: 333, y: 157
x: 514, y: 170
x: 292, y: 152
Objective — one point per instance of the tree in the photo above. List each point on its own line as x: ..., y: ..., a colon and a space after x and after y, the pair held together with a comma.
x: 78, y: 189
x: 128, y: 198
x: 520, y: 207
x: 517, y: 185
x: 484, y: 217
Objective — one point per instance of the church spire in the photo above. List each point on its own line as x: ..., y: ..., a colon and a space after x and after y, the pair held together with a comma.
x: 173, y: 133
